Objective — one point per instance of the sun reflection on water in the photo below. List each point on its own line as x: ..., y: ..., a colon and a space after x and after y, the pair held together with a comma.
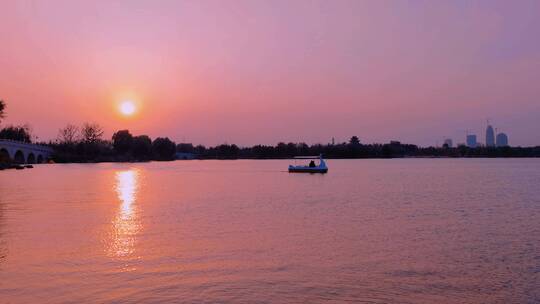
x: 126, y: 224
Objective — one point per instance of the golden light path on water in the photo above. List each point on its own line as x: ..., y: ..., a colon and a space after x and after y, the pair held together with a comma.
x: 126, y: 224
x: 370, y: 231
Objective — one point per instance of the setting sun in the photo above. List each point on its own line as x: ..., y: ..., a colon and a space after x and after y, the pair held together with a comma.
x: 127, y: 108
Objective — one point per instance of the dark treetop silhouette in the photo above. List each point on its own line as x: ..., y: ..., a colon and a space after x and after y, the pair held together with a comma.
x: 2, y: 108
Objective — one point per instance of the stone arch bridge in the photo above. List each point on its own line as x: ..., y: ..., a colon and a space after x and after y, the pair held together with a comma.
x: 23, y: 153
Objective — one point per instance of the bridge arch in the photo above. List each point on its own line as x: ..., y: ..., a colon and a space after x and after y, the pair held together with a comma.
x: 4, y: 156
x: 19, y: 152
x: 19, y: 157
x: 31, y: 159
x: 40, y: 159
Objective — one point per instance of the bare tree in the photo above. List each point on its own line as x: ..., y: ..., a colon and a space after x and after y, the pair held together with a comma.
x: 91, y: 132
x: 69, y: 134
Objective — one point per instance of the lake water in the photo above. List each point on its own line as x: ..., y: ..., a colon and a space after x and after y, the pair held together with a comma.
x: 369, y: 231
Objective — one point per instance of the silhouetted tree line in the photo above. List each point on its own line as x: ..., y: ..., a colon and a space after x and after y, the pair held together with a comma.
x: 86, y: 144
x: 351, y: 149
x: 19, y: 133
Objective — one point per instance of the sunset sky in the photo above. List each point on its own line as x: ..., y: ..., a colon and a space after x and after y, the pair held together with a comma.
x: 250, y: 72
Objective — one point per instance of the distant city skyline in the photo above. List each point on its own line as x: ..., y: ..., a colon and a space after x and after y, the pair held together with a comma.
x: 261, y: 72
x: 493, y: 137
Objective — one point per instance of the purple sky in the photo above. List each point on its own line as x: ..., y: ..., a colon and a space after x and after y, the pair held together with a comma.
x: 251, y: 72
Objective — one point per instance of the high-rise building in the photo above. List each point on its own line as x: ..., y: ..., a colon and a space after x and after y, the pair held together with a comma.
x: 471, y: 141
x: 502, y: 140
x: 490, y: 136
x: 448, y: 142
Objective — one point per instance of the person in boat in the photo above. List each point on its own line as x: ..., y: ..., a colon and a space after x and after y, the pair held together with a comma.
x: 312, y: 164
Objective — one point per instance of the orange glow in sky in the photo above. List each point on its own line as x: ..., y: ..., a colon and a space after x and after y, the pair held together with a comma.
x: 260, y: 72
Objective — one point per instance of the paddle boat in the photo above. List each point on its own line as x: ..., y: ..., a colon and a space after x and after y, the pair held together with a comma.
x: 312, y: 167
